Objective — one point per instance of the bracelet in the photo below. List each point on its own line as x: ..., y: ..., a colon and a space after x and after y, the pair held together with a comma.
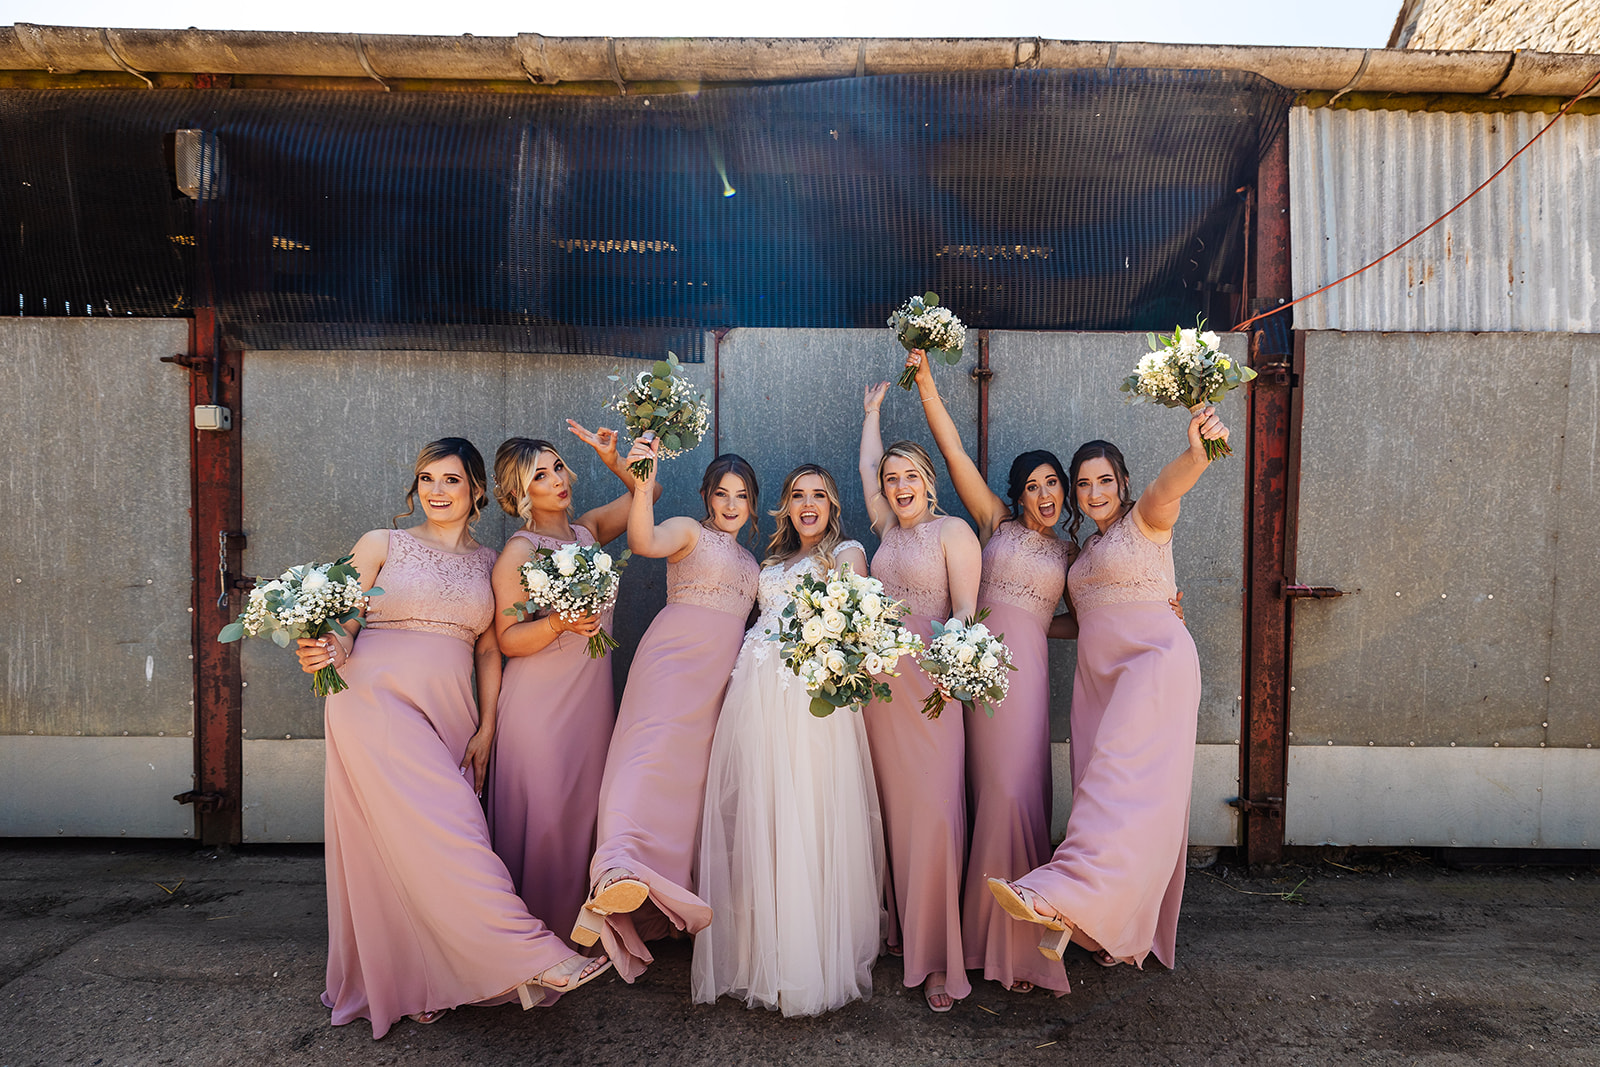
x: 931, y: 399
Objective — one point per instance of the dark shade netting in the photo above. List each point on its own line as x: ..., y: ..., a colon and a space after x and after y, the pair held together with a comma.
x: 1083, y: 200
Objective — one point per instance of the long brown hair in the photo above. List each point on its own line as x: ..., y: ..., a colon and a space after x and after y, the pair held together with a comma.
x: 471, y: 461
x: 1096, y: 450
x: 729, y: 463
x: 785, y: 540
x: 514, y: 461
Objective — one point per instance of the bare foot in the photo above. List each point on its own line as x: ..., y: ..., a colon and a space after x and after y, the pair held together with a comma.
x: 933, y: 991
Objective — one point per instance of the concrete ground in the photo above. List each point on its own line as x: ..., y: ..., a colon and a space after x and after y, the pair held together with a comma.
x: 135, y: 953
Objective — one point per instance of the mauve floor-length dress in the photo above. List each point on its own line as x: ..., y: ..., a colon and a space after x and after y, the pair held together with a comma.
x: 555, y: 718
x: 1008, y: 755
x: 422, y: 914
x: 920, y: 765
x: 655, y: 776
x: 1118, y: 875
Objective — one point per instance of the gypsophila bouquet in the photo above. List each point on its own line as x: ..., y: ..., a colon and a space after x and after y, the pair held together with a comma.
x: 966, y: 662
x: 921, y: 323
x: 838, y: 631
x: 1187, y: 371
x: 305, y: 601
x: 661, y: 401
x: 572, y: 581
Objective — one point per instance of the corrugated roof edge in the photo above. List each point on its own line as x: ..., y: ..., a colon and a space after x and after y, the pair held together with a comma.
x: 543, y: 60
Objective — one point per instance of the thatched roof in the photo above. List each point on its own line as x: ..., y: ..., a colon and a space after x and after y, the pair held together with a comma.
x: 1500, y: 25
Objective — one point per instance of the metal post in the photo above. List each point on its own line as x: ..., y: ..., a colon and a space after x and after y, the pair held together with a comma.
x: 215, y: 456
x: 983, y: 375
x: 1264, y: 721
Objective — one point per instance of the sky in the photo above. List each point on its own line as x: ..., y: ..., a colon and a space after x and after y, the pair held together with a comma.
x: 1351, y: 23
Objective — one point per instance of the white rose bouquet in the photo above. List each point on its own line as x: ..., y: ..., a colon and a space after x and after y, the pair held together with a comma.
x: 304, y: 601
x: 572, y: 581
x: 921, y: 323
x: 1186, y: 371
x: 838, y: 632
x: 661, y: 402
x: 966, y: 662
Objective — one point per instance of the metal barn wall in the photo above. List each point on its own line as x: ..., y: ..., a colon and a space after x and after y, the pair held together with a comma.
x: 1452, y: 479
x: 96, y: 717
x: 1522, y: 255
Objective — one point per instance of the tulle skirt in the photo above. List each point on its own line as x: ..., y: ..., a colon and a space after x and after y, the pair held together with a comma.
x: 791, y: 852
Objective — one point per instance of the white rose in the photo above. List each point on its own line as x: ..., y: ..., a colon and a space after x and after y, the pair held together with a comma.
x: 988, y: 663
x: 871, y: 605
x: 838, y: 590
x: 872, y: 663
x: 964, y: 654
x: 803, y: 609
x: 978, y: 630
x: 811, y: 630
x: 833, y: 621
x: 889, y: 660
x: 313, y: 582
x: 566, y: 563
x: 602, y: 562
x: 1210, y: 340
x: 835, y: 663
x: 538, y: 582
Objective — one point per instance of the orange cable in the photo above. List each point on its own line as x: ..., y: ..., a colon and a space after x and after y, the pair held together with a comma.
x: 1285, y: 307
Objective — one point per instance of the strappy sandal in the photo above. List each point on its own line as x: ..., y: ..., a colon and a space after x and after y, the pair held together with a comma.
x: 532, y: 992
x: 1021, y: 985
x: 1104, y: 958
x: 428, y: 1018
x: 616, y: 897
x: 1017, y: 902
x: 930, y: 990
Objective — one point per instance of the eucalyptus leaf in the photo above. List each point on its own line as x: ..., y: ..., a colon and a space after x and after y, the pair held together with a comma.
x: 821, y: 708
x: 280, y: 638
x: 231, y: 632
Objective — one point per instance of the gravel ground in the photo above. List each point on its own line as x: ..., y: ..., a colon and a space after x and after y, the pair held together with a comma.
x: 118, y: 953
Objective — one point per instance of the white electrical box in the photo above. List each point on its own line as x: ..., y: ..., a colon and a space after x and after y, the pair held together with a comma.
x: 212, y: 417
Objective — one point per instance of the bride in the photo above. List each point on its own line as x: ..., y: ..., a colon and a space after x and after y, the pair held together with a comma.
x: 791, y: 842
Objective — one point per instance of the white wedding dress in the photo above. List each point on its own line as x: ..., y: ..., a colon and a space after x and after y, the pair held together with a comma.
x: 791, y: 840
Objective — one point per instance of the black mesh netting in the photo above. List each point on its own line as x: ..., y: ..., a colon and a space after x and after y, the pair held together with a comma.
x: 1028, y: 199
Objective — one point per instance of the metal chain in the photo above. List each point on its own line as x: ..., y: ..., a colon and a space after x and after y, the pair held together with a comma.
x: 222, y: 568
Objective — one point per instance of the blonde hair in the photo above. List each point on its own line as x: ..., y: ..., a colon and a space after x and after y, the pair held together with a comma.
x: 785, y: 540
x: 514, y: 463
x: 918, y: 457
x: 471, y: 462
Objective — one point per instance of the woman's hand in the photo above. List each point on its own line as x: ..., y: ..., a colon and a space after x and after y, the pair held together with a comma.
x: 872, y: 398
x: 315, y: 653
x: 919, y: 359
x: 602, y: 440
x: 645, y: 448
x: 1204, y: 425
x: 587, y: 626
x: 476, y: 759
x: 1176, y: 603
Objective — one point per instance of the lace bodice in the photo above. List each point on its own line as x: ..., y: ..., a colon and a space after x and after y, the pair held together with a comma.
x: 773, y: 596
x: 1121, y: 566
x: 433, y: 591
x: 717, y: 573
x: 910, y: 564
x: 1025, y: 569
x: 583, y: 539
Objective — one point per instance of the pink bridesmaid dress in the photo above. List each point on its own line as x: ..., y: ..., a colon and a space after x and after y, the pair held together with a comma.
x: 422, y: 914
x: 655, y: 774
x: 1118, y: 876
x: 554, y: 724
x: 919, y: 764
x: 1008, y: 756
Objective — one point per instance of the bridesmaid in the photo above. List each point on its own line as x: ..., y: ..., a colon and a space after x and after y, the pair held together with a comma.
x: 655, y: 776
x: 422, y: 915
x: 1008, y: 755
x: 556, y: 708
x: 1115, y: 884
x: 932, y: 563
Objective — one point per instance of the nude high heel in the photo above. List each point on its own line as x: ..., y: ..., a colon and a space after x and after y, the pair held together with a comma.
x: 617, y: 897
x: 532, y: 992
x: 1017, y: 902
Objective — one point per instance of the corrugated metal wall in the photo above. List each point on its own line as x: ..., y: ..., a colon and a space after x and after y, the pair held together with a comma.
x: 1523, y: 255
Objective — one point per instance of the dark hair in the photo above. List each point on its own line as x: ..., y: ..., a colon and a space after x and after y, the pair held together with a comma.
x: 729, y: 463
x: 1096, y: 450
x: 1025, y: 465
x: 471, y: 461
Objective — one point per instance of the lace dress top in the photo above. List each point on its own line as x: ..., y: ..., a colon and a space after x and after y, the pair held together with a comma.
x: 433, y: 591
x: 772, y: 593
x: 718, y: 573
x: 910, y: 564
x: 583, y: 539
x: 1024, y: 569
x: 1121, y: 566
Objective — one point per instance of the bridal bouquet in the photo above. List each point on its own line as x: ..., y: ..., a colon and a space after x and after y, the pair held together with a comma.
x: 1187, y: 371
x: 921, y: 323
x: 661, y: 402
x: 839, y: 630
x: 304, y: 601
x: 968, y: 663
x: 572, y: 581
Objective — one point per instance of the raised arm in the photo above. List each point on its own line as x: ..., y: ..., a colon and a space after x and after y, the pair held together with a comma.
x: 674, y: 538
x: 963, y: 560
x: 609, y: 520
x: 981, y: 502
x: 368, y: 557
x: 1156, y: 511
x: 531, y: 635
x: 871, y: 452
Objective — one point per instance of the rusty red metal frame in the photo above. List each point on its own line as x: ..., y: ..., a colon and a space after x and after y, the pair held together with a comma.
x: 216, y: 511
x: 1272, y: 459
x: 983, y: 375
